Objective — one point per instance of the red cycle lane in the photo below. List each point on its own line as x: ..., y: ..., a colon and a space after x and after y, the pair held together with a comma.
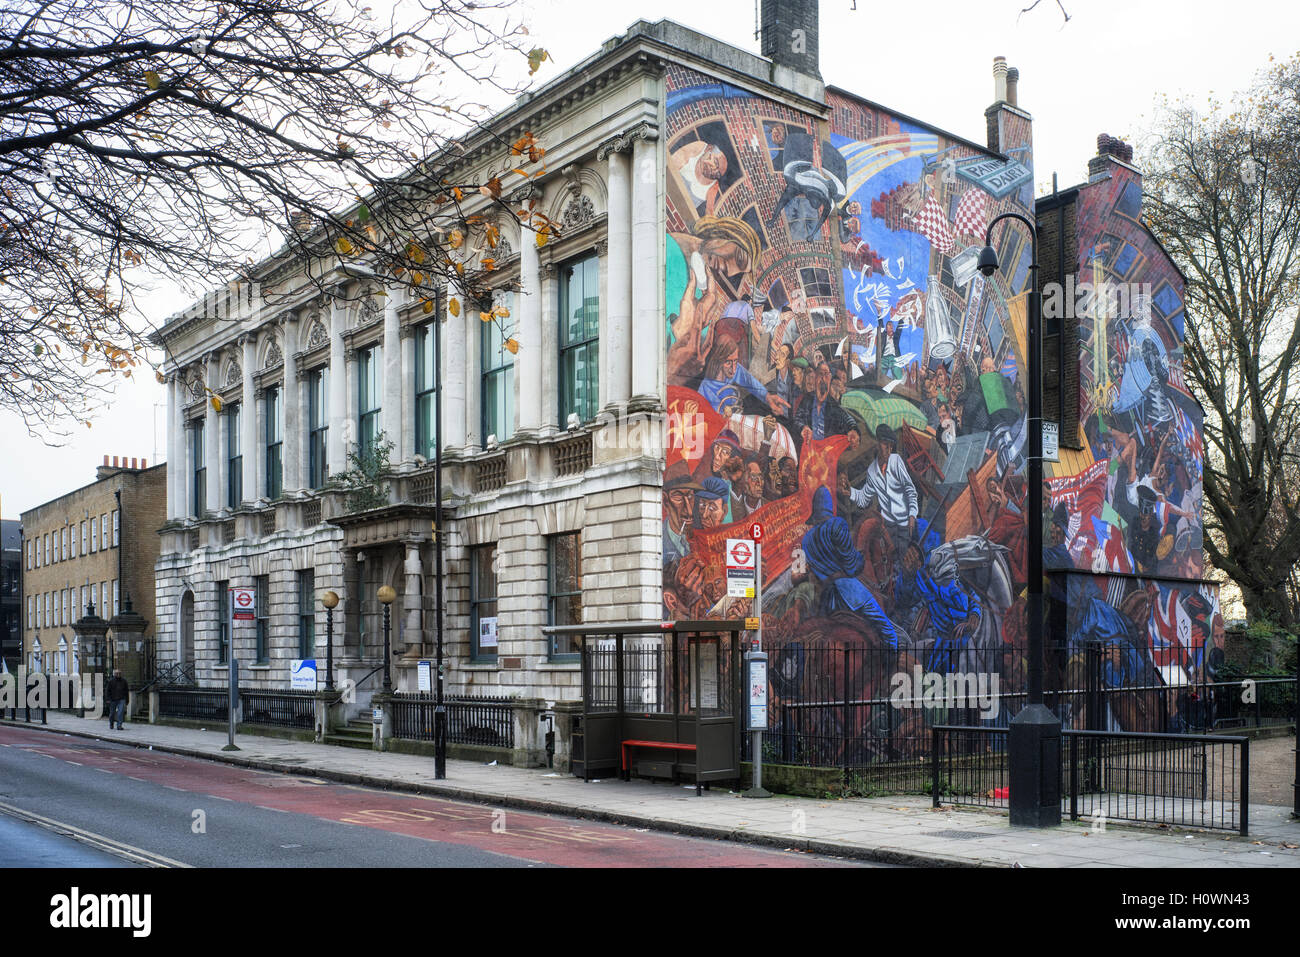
x: 519, y: 834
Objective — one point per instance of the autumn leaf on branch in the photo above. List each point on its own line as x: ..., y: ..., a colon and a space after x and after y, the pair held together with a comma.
x: 145, y: 140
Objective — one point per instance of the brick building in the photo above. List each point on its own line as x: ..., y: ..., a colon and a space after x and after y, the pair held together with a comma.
x: 95, y: 544
x: 11, y: 592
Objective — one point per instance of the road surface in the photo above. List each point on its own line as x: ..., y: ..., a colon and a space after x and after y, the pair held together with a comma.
x: 146, y: 808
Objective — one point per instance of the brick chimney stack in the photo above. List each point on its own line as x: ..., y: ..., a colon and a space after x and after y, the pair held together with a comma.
x: 789, y: 35
x: 1109, y: 148
x: 1008, y: 124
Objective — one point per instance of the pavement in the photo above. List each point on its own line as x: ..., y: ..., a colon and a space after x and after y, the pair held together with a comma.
x: 899, y: 830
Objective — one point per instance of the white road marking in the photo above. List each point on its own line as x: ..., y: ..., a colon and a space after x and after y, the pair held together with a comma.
x: 99, y: 841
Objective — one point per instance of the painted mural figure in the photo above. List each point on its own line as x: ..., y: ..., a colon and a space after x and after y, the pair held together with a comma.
x: 847, y: 378
x: 890, y: 488
x: 835, y: 564
x: 701, y: 166
x: 946, y: 613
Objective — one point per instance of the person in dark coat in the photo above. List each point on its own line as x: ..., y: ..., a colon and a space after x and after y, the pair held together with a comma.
x: 834, y: 563
x: 116, y: 692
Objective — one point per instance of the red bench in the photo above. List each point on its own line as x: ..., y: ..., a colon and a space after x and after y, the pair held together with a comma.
x: 666, y: 745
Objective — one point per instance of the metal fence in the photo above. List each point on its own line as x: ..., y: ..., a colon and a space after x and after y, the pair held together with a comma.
x: 193, y: 704
x: 869, y: 712
x: 470, y: 719
x: 282, y: 709
x: 1107, y: 776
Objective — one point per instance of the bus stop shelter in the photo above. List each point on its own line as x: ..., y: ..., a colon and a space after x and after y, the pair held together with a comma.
x: 659, y: 700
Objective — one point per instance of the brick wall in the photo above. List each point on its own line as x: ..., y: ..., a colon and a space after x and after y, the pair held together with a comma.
x: 144, y: 507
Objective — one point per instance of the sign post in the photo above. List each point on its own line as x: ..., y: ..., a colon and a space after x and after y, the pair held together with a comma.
x: 233, y: 704
x: 243, y: 607
x: 755, y: 669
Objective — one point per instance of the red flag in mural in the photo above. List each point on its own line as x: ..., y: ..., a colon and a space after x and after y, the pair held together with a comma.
x: 692, y: 423
x: 1084, y: 493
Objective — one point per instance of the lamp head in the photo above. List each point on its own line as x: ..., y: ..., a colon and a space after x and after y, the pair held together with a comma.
x: 330, y: 599
x: 988, y: 261
x: 387, y: 594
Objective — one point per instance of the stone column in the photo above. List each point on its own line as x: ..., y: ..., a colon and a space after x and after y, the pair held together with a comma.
x: 406, y: 446
x: 248, y: 418
x: 258, y: 452
x: 413, y: 601
x: 473, y: 371
x: 647, y: 322
x: 457, y: 372
x: 338, y: 387
x: 175, y: 450
x: 550, y: 349
x: 220, y: 469
x: 188, y: 506
x: 528, y: 364
x: 351, y: 432
x: 391, y: 416
x: 294, y: 428
x: 616, y: 336
x: 212, y: 436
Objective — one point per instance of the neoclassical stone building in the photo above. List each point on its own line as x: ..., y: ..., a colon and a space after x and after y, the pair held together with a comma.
x: 551, y: 462
x: 763, y: 304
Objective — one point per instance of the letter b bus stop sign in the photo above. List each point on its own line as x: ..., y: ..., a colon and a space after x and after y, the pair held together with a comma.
x: 741, y: 568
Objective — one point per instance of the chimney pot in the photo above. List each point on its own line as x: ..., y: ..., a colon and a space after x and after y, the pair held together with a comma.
x: 144, y: 463
x: 999, y: 79
x: 105, y: 461
x: 114, y: 461
x: 1013, y: 79
x: 789, y: 34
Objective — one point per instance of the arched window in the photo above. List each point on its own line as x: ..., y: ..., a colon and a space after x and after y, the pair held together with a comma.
x: 36, y: 655
x: 61, y: 657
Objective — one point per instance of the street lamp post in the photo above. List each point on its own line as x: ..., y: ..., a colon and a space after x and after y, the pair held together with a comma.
x: 386, y: 596
x: 1034, y: 737
x: 330, y: 600
x: 439, y: 709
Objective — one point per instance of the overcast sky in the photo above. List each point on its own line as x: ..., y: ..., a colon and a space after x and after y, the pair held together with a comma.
x: 1103, y: 71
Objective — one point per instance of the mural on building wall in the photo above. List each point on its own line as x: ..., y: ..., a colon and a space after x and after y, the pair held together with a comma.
x: 1161, y: 635
x: 1131, y: 501
x: 839, y: 371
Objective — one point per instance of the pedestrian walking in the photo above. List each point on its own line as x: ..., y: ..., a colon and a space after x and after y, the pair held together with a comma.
x: 117, y: 692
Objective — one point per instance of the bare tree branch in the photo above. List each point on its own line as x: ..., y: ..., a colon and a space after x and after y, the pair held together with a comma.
x: 144, y: 140
x: 1223, y: 195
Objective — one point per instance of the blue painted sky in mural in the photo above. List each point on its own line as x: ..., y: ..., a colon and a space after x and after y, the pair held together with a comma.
x: 906, y: 253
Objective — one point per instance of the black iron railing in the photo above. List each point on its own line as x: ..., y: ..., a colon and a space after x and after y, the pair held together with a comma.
x: 856, y: 709
x: 1107, y: 776
x: 284, y: 709
x: 281, y: 709
x: 193, y: 704
x: 470, y: 720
